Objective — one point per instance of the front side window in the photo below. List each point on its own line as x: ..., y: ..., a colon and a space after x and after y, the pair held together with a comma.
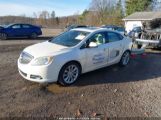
x: 98, y: 38
x: 70, y: 38
x: 114, y: 37
x: 16, y: 26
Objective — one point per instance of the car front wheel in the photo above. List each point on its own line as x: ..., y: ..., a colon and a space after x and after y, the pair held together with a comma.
x: 125, y: 59
x: 3, y: 36
x: 69, y: 74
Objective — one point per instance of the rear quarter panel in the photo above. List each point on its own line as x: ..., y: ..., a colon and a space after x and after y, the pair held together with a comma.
x: 127, y: 44
x: 32, y: 30
x: 37, y: 30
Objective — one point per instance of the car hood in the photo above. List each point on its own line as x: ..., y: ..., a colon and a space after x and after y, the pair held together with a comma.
x: 45, y: 49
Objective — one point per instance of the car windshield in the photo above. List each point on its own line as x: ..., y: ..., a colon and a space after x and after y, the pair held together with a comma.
x: 137, y: 29
x: 4, y: 26
x: 70, y: 38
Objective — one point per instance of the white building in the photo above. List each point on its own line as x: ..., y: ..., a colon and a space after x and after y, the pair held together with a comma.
x: 137, y: 19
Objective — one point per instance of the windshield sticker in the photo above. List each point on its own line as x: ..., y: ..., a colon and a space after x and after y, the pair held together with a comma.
x: 99, y: 58
x: 80, y: 37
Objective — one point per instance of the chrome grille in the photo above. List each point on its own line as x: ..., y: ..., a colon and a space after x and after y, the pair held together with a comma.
x: 25, y: 58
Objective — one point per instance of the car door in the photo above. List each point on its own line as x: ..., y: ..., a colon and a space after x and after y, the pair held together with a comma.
x: 26, y: 30
x: 116, y: 46
x: 15, y: 30
x: 96, y: 56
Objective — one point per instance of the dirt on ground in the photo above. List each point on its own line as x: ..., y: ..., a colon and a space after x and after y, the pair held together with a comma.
x: 132, y: 91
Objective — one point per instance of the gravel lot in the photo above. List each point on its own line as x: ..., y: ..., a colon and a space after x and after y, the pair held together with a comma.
x: 133, y: 91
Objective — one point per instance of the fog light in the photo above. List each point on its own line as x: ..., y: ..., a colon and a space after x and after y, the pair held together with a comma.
x: 35, y: 77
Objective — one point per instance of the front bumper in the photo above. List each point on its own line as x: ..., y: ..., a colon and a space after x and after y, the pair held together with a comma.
x: 40, y: 74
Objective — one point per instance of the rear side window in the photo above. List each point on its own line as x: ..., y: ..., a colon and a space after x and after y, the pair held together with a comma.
x: 114, y: 37
x: 26, y: 26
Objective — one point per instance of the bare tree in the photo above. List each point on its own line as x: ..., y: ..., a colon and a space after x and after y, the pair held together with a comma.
x: 103, y: 8
x: 35, y: 15
x: 43, y: 17
x: 53, y: 14
x: 57, y: 21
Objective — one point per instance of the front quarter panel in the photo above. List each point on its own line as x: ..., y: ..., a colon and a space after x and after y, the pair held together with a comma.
x: 61, y: 59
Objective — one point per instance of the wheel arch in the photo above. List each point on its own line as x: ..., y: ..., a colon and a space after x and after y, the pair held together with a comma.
x: 73, y: 61
x: 3, y: 32
x: 128, y: 51
x: 120, y: 61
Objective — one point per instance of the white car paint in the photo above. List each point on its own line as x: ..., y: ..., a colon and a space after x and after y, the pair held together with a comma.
x: 89, y: 58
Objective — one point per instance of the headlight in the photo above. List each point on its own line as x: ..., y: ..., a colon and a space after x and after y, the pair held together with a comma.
x: 42, y: 61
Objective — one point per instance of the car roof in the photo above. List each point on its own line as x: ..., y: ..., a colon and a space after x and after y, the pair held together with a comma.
x: 94, y: 29
x: 18, y: 24
x: 112, y: 26
x: 90, y: 29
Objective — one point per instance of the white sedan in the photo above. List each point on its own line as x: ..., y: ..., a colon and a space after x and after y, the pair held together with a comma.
x: 64, y: 58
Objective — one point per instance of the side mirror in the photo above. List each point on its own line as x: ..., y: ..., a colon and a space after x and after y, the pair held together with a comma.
x: 92, y: 45
x: 83, y: 46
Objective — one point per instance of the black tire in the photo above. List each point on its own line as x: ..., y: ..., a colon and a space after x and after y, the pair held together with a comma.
x: 139, y: 36
x: 33, y: 36
x: 125, y: 59
x: 139, y: 46
x: 63, y: 73
x: 3, y: 36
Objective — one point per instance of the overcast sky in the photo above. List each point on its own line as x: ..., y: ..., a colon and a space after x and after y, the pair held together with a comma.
x: 27, y: 7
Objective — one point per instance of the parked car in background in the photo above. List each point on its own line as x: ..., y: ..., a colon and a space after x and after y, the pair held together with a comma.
x: 110, y: 27
x: 75, y: 26
x: 115, y: 28
x: 19, y: 30
x: 135, y: 33
x: 121, y: 30
x: 66, y: 57
x: 147, y: 37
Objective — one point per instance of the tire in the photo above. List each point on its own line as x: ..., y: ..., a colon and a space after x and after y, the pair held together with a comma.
x: 33, y: 36
x: 69, y: 74
x: 125, y: 59
x: 139, y: 46
x: 139, y: 36
x: 3, y: 36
